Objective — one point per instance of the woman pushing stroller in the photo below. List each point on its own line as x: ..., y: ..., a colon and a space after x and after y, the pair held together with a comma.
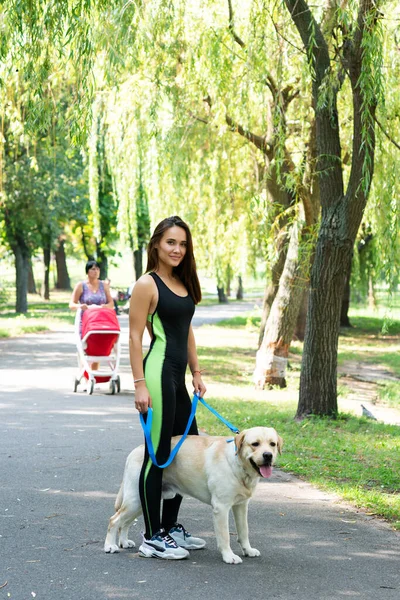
x: 87, y: 298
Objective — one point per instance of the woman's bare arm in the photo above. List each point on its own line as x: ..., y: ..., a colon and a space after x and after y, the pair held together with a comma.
x: 110, y: 301
x: 74, y: 303
x: 141, y: 301
x: 193, y: 362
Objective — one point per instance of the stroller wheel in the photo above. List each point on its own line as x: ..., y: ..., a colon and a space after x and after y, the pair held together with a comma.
x: 90, y: 387
x: 112, y: 386
x: 118, y: 382
x: 76, y: 383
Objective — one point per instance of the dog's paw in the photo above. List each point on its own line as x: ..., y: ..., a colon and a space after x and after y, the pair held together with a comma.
x: 111, y: 548
x: 251, y: 552
x: 231, y: 559
x: 127, y: 544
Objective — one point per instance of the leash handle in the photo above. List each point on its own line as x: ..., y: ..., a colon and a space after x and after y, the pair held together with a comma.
x: 146, y: 425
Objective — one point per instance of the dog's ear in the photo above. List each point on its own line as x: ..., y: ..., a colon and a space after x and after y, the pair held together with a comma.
x: 239, y: 438
x: 280, y: 444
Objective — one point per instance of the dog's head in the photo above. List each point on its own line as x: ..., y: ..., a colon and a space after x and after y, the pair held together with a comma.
x: 258, y: 448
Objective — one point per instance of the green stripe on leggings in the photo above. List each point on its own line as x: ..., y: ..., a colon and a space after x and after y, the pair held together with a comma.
x: 153, y: 375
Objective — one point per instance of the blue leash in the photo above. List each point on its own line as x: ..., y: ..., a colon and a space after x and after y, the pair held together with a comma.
x: 146, y: 425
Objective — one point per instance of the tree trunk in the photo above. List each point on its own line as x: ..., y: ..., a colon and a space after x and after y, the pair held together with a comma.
x: 63, y: 280
x: 318, y: 380
x: 103, y: 262
x: 228, y: 280
x: 86, y: 245
x: 341, y: 211
x: 239, y: 291
x: 222, y: 298
x: 271, y: 289
x: 21, y: 271
x: 344, y: 309
x: 272, y: 356
x: 46, y: 261
x: 31, y: 279
x: 138, y: 262
x: 371, y: 295
x: 299, y: 332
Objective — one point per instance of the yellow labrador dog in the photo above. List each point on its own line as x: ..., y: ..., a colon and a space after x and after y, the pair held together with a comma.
x: 210, y: 469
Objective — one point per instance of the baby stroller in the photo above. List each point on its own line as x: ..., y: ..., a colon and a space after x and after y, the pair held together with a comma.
x: 97, y: 334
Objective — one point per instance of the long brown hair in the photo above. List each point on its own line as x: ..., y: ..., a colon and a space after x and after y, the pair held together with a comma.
x: 186, y: 270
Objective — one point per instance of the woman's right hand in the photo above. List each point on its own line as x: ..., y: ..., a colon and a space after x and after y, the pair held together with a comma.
x: 83, y: 306
x: 142, y: 397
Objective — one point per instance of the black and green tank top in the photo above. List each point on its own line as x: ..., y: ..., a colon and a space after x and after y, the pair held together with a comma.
x: 170, y: 324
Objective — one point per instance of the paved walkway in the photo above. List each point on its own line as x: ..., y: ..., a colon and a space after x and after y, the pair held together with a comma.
x: 61, y: 462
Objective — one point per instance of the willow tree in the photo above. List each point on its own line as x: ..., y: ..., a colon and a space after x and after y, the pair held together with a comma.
x: 39, y: 178
x: 130, y: 150
x: 211, y: 186
x: 40, y: 41
x: 377, y: 247
x: 341, y: 52
x: 103, y: 200
x: 221, y: 74
x: 207, y: 83
x: 358, y: 51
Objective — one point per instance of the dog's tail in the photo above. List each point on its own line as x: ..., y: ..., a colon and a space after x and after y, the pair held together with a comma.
x: 118, y: 500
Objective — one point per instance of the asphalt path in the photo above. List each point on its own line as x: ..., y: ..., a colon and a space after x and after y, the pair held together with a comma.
x: 62, y: 456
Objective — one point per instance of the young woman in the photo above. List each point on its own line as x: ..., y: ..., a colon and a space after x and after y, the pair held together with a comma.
x: 163, y: 300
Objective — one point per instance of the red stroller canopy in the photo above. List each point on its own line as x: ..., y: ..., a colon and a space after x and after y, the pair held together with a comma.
x: 99, y: 326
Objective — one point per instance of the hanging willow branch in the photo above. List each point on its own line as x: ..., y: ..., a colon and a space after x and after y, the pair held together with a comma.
x: 389, y: 137
x: 231, y: 26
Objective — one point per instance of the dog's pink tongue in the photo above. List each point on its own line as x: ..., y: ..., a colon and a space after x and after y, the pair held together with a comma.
x: 266, y: 471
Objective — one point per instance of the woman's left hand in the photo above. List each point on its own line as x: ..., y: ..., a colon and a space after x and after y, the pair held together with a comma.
x: 199, y: 387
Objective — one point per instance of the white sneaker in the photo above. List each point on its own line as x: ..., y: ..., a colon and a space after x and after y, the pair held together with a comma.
x: 184, y: 539
x: 162, y: 545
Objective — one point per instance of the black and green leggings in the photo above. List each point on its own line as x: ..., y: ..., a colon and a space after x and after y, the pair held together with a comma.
x: 171, y: 411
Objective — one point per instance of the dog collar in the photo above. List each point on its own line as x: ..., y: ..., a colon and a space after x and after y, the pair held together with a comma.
x: 232, y: 440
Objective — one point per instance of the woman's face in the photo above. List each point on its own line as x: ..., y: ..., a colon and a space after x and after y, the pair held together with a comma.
x: 172, y: 247
x: 94, y: 272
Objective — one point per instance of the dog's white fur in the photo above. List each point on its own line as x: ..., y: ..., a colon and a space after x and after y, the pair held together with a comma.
x: 210, y: 469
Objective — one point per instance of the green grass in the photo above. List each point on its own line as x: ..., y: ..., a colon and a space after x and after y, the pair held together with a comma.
x: 364, y: 342
x: 372, y: 325
x: 353, y: 457
x: 389, y: 393
x: 40, y: 317
x: 208, y: 301
x: 225, y: 364
x: 249, y: 321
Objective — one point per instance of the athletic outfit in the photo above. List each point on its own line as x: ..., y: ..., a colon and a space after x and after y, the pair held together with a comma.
x: 164, y: 370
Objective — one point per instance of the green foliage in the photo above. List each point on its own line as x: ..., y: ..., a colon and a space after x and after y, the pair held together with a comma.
x: 4, y: 295
x: 51, y: 37
x: 167, y: 75
x: 372, y: 88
